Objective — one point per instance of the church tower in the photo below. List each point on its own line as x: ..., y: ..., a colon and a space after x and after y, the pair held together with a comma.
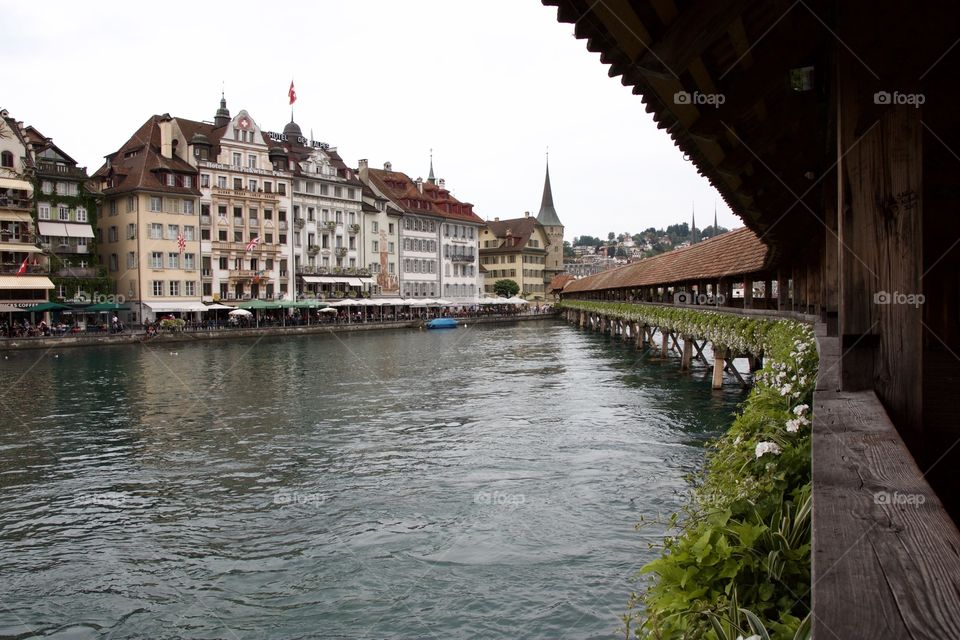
x: 554, y: 230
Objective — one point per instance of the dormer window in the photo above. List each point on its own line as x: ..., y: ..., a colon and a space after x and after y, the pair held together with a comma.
x: 171, y: 180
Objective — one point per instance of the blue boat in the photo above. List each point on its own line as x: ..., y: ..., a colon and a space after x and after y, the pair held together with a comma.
x: 442, y: 323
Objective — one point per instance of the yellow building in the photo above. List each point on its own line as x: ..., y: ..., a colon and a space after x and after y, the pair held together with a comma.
x: 517, y: 250
x: 149, y: 224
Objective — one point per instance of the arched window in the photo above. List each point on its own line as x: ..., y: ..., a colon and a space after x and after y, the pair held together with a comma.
x: 6, y: 159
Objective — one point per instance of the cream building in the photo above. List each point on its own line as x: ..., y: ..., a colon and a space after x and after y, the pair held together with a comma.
x: 516, y: 249
x: 149, y: 223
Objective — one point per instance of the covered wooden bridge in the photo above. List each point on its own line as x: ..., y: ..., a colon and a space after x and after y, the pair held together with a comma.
x: 830, y: 128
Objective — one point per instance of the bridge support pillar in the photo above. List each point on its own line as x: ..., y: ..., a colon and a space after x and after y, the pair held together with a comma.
x: 719, y: 358
x: 687, y: 354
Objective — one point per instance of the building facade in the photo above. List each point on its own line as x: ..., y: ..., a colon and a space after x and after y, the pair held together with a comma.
x: 438, y: 236
x: 24, y: 268
x: 515, y: 249
x: 149, y: 222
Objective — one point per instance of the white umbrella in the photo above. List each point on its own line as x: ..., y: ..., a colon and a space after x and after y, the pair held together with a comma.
x: 346, y: 302
x: 416, y: 303
x: 211, y: 307
x: 328, y: 310
x: 239, y: 312
x: 515, y: 300
x: 446, y: 303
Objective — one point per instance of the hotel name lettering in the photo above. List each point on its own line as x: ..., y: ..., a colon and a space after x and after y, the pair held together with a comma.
x: 282, y: 137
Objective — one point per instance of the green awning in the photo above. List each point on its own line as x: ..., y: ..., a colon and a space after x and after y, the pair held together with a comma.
x: 48, y: 306
x: 104, y: 306
x: 259, y: 304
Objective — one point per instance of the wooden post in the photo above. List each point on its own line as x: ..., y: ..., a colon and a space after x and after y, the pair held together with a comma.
x: 664, y: 342
x: 687, y: 354
x: 748, y: 292
x: 719, y: 356
x: 783, y: 290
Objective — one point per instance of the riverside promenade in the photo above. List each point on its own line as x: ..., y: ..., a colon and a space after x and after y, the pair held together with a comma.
x: 225, y: 333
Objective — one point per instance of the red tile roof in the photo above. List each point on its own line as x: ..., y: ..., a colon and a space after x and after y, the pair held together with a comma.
x: 558, y: 282
x: 734, y: 253
x: 400, y: 188
x: 520, y: 230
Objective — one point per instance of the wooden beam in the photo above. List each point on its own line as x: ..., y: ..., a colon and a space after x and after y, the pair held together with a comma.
x: 719, y: 355
x: 687, y: 353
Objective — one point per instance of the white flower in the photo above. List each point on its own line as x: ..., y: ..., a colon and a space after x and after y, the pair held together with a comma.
x: 786, y: 389
x: 767, y: 447
x: 800, y: 409
x: 793, y: 426
x: 736, y: 440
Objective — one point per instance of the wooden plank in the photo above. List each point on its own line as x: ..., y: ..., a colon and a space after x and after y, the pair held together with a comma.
x: 718, y: 361
x: 879, y: 531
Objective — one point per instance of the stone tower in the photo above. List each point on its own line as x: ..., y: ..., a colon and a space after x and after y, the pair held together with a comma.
x: 554, y: 230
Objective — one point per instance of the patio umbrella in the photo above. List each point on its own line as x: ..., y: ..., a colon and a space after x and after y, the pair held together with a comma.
x: 105, y: 306
x: 516, y: 300
x: 328, y: 310
x: 48, y: 306
x: 240, y: 312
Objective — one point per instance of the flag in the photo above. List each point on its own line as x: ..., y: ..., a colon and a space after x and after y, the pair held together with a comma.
x: 254, y: 241
x: 181, y: 242
x: 292, y: 93
x: 23, y: 266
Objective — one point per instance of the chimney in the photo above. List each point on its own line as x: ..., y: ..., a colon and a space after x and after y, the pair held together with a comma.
x: 496, y: 219
x: 388, y: 166
x: 166, y: 135
x: 420, y: 185
x: 442, y: 183
x: 526, y: 214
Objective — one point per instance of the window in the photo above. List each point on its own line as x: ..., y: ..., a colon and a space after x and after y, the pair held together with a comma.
x: 374, y: 226
x: 338, y: 192
x: 112, y: 234
x: 113, y: 207
x: 132, y: 260
x: 253, y: 185
x: 223, y: 263
x: 189, y: 232
x: 173, y: 230
x: 173, y: 260
x: 252, y: 162
x: 174, y: 287
x: 63, y: 212
x: 268, y: 238
x: 352, y: 193
x: 267, y: 186
x: 204, y: 179
x: 390, y: 247
x: 236, y: 159
x: 222, y: 182
x: 189, y: 261
x: 390, y: 228
x: 6, y: 159
x: 238, y: 236
x: 188, y: 206
x: 238, y: 184
x: 47, y: 187
x: 222, y: 235
x: 43, y: 211
x: 131, y: 231
x: 190, y: 288
x: 282, y: 188
x: 156, y: 231
x: 172, y: 205
x: 156, y: 203
x: 81, y: 214
x: 376, y: 246
x: 157, y: 287
x: 156, y: 260
x: 114, y: 262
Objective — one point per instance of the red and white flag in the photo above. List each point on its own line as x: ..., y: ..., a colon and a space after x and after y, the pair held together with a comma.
x: 253, y: 243
x: 181, y: 242
x: 23, y: 266
x: 292, y: 93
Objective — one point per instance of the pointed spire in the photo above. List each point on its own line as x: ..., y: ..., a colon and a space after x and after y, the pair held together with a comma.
x: 223, y: 114
x: 548, y: 215
x: 715, y: 227
x: 431, y: 179
x: 693, y: 224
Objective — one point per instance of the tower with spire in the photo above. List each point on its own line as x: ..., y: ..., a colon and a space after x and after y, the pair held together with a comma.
x: 554, y: 229
x: 222, y: 118
x: 694, y: 237
x: 431, y: 178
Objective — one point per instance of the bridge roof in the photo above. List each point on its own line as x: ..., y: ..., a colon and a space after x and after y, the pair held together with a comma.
x: 737, y: 252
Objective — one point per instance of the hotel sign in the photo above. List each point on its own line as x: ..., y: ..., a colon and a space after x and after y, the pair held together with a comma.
x: 282, y: 137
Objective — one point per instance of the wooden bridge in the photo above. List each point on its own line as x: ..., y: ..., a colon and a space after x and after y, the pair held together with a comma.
x: 832, y: 133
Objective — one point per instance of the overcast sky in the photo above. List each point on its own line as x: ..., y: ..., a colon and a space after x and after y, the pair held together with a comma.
x: 488, y: 85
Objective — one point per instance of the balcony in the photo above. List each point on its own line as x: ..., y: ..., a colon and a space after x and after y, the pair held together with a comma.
x: 313, y: 249
x: 354, y: 229
x: 238, y: 222
x: 205, y: 221
x: 250, y: 274
x: 16, y: 202
x: 224, y: 246
x: 340, y: 252
x: 245, y: 193
x: 32, y: 269
x: 309, y: 270
x: 76, y: 272
x: 467, y: 257
x: 330, y: 225
x: 298, y: 223
x: 60, y: 170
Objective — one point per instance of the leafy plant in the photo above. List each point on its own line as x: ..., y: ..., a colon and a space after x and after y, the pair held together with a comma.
x: 738, y: 559
x: 506, y: 288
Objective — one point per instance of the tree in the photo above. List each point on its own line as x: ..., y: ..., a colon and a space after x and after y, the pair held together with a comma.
x: 568, y: 250
x: 621, y: 252
x: 611, y: 236
x: 506, y: 288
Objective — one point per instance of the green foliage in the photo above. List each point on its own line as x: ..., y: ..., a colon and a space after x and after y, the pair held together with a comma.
x: 506, y: 288
x: 740, y: 551
x: 173, y: 324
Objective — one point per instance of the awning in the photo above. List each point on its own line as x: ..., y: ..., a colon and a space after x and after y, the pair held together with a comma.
x: 368, y: 280
x: 75, y: 230
x: 52, y: 229
x: 25, y: 282
x: 19, y: 247
x: 13, y: 183
x: 179, y: 307
x: 15, y: 216
x: 355, y: 282
x: 331, y: 280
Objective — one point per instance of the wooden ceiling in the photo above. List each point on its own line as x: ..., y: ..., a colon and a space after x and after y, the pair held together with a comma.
x: 764, y: 144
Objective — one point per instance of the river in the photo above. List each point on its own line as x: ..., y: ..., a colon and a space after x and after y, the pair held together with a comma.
x: 482, y: 482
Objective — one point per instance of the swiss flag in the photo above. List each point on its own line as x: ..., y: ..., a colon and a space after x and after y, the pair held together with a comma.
x: 23, y: 267
x: 292, y: 93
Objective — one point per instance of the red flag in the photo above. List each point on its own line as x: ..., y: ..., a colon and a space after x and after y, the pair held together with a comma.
x: 292, y: 93
x: 181, y: 242
x: 253, y: 243
x: 23, y: 267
